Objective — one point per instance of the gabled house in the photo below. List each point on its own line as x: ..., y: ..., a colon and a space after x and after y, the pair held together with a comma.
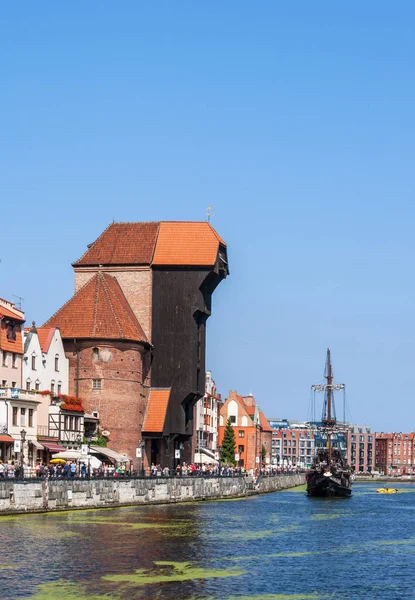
x: 252, y: 430
x: 45, y: 366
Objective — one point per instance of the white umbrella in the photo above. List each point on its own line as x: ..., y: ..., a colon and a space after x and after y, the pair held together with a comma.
x: 76, y: 455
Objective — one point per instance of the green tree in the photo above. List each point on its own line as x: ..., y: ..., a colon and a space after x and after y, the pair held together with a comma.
x: 228, y: 445
x: 263, y: 453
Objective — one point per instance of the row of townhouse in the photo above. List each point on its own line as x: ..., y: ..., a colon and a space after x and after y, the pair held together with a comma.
x: 253, y: 433
x: 206, y: 424
x: 295, y: 444
x: 292, y: 448
x: 37, y: 417
x: 395, y: 453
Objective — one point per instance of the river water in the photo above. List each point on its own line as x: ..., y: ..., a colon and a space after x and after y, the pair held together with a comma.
x: 281, y: 546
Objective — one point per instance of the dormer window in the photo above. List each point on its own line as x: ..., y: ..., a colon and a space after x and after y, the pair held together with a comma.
x: 11, y: 331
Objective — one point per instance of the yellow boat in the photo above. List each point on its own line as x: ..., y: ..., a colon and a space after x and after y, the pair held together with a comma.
x: 387, y: 491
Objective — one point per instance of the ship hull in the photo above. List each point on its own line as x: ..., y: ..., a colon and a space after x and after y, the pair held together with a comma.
x: 326, y: 487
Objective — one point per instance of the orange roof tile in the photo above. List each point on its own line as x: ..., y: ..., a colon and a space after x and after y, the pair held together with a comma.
x: 186, y: 243
x: 15, y: 315
x: 156, y: 410
x: 45, y: 335
x: 122, y: 244
x: 179, y: 243
x: 98, y: 310
x: 264, y: 422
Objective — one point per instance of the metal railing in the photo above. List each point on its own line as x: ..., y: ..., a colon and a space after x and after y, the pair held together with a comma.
x: 31, y: 476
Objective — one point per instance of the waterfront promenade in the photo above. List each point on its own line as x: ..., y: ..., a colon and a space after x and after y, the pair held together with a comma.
x: 31, y: 495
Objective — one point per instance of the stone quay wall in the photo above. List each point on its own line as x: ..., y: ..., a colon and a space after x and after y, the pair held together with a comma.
x: 68, y: 494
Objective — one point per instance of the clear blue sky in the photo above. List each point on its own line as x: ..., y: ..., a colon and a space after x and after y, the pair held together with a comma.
x: 295, y: 120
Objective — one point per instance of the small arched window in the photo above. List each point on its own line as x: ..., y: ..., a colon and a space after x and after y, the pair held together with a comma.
x: 56, y: 362
x: 52, y: 386
x: 95, y: 353
x: 28, y: 385
x: 37, y: 385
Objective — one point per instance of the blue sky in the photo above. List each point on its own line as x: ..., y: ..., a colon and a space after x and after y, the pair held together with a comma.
x: 295, y: 120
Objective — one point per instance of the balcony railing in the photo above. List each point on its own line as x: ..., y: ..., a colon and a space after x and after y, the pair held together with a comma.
x: 18, y: 394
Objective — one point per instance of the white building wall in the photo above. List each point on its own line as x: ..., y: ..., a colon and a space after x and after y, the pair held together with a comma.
x: 61, y: 375
x: 45, y: 375
x: 32, y: 368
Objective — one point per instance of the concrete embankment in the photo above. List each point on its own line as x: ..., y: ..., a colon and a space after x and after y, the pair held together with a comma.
x: 50, y: 495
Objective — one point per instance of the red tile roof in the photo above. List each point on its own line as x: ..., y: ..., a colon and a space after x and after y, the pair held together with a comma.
x: 188, y: 244
x: 156, y: 410
x: 178, y: 243
x: 122, y: 244
x: 16, y: 315
x: 264, y: 422
x: 98, y: 310
x: 45, y: 335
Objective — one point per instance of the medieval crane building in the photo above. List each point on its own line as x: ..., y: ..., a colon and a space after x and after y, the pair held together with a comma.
x: 135, y: 332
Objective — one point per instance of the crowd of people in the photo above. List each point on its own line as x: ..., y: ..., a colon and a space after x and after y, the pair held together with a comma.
x: 71, y: 469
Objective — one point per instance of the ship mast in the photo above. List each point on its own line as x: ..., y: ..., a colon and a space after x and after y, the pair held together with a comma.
x: 329, y: 411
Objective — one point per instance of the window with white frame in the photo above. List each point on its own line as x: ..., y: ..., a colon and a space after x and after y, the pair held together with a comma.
x: 96, y: 384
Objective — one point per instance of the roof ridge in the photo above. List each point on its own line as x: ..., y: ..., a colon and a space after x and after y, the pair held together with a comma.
x: 94, y: 322
x: 67, y: 302
x: 111, y: 304
x: 155, y: 242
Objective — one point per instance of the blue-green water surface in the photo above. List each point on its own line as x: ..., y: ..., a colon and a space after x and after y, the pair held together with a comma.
x: 281, y: 546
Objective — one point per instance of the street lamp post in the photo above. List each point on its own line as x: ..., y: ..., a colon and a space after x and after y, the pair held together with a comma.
x: 143, y: 445
x: 23, y: 439
x: 220, y: 456
x: 89, y: 440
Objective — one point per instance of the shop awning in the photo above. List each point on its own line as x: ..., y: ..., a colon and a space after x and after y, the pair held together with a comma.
x: 53, y: 447
x: 6, y: 439
x: 36, y: 444
x: 111, y: 454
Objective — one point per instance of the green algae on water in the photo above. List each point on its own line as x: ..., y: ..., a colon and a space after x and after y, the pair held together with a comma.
x: 65, y: 590
x: 298, y: 488
x: 329, y: 516
x: 244, y: 535
x: 171, y: 572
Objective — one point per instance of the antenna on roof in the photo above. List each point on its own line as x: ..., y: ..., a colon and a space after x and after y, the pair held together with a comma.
x: 19, y: 304
x: 209, y: 213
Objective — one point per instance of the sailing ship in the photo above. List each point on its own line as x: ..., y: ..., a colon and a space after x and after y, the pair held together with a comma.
x: 329, y: 475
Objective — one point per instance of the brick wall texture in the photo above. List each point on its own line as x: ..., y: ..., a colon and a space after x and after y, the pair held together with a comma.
x: 135, y: 282
x: 123, y: 368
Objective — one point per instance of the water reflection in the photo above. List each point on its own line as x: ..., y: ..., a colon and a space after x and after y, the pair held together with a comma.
x: 278, y: 546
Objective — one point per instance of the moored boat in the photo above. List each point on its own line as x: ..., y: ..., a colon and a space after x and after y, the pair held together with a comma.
x: 329, y: 475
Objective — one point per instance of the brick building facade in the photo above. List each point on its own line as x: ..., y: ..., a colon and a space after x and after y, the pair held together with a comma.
x: 395, y: 453
x: 134, y: 333
x: 252, y: 430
